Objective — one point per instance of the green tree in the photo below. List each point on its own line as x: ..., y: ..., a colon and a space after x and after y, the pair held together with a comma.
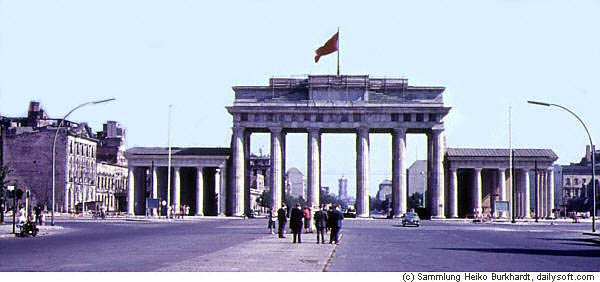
x: 264, y: 200
x: 4, y: 172
x: 415, y: 201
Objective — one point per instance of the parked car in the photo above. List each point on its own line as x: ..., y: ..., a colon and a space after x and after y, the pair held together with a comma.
x: 350, y: 213
x: 411, y: 218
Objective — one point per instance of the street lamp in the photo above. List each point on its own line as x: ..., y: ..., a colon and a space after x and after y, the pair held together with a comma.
x: 593, y: 156
x: 54, y: 149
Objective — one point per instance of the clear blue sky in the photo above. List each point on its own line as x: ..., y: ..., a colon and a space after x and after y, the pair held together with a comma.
x: 148, y: 54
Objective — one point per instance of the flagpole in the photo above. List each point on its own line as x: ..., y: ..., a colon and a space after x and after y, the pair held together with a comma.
x: 338, y: 52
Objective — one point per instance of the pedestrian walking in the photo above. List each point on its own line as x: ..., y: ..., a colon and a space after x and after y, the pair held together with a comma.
x: 37, y: 210
x: 336, y: 224
x: 307, y: 218
x: 296, y: 223
x: 281, y: 220
x: 321, y: 223
x: 271, y: 221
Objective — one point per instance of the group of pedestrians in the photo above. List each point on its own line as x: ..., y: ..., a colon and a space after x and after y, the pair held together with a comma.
x: 327, y: 219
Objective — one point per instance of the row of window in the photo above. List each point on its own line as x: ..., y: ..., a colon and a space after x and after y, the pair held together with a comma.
x: 577, y: 182
x: 395, y: 117
x: 81, y: 149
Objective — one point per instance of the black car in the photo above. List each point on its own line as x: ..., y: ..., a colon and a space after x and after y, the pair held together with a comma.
x: 411, y: 218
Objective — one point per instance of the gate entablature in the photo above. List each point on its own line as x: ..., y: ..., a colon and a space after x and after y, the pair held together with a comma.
x: 341, y: 102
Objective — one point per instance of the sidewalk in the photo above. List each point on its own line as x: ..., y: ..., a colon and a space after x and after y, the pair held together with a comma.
x: 267, y: 254
x: 7, y: 228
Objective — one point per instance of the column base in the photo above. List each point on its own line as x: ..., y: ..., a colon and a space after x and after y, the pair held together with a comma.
x: 438, y: 217
x: 199, y: 214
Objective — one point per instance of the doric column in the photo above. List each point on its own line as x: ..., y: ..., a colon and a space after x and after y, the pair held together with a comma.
x: 247, y: 172
x: 540, y: 195
x: 551, y: 192
x: 218, y: 185
x: 477, y: 195
x: 502, y: 188
x: 276, y: 167
x: 130, y: 191
x: 544, y: 195
x: 199, y: 192
x: 176, y: 189
x: 223, y: 193
x: 154, y: 187
x: 238, y: 171
x: 453, y: 193
x: 314, y: 156
x: 362, y: 172
x: 437, y: 173
x: 527, y: 201
x: 399, y: 171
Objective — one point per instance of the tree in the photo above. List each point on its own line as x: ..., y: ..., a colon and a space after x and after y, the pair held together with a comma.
x: 264, y: 200
x: 4, y: 172
x: 415, y: 201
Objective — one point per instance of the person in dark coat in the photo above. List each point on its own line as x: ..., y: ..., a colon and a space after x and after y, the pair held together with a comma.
x: 336, y: 224
x: 296, y: 223
x: 321, y: 223
x: 281, y: 221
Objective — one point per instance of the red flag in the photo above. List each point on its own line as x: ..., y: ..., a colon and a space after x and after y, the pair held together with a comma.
x: 329, y: 47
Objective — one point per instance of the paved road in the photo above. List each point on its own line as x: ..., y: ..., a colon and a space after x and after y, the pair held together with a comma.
x: 244, y: 245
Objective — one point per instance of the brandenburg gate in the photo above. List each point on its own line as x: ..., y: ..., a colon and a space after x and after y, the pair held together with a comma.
x: 356, y: 104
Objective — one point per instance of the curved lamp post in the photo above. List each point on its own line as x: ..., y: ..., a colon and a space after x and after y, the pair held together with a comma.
x: 593, y: 156
x: 54, y: 149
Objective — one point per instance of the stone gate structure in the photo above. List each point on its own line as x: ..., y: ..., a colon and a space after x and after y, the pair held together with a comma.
x: 356, y: 104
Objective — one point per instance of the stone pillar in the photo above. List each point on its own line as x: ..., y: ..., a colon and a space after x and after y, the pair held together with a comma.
x: 199, y: 192
x: 362, y: 172
x: 238, y: 157
x: 502, y: 188
x: 542, y: 195
x: 399, y: 171
x: 130, y: 191
x: 551, y: 192
x: 477, y: 195
x: 155, y: 188
x: 527, y: 204
x: 176, y: 189
x: 218, y: 185
x: 453, y: 193
x: 223, y: 192
x: 247, y: 172
x: 313, y: 164
x: 276, y: 167
x: 437, y: 173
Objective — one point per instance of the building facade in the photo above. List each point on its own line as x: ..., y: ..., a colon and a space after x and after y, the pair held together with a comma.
x: 295, y: 183
x: 477, y: 178
x: 27, y: 144
x: 197, y: 178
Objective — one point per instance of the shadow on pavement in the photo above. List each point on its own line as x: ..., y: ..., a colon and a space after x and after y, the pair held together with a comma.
x: 562, y: 253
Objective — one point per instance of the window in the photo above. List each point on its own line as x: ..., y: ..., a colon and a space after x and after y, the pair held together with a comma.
x: 394, y: 117
x: 432, y: 117
x: 320, y: 117
x: 356, y: 117
x: 407, y: 117
x: 419, y: 117
x: 568, y: 182
x: 244, y: 117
